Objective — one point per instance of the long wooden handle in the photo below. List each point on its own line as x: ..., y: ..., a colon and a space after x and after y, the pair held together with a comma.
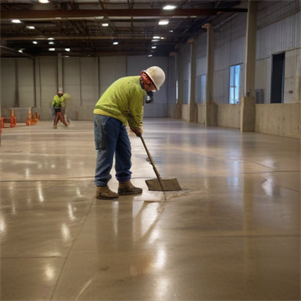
x: 153, y: 164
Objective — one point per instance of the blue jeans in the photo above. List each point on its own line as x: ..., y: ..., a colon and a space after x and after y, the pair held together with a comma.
x: 111, y: 138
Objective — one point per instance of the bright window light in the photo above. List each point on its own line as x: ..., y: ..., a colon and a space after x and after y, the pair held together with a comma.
x: 105, y: 24
x: 163, y: 22
x: 99, y: 17
x: 16, y: 21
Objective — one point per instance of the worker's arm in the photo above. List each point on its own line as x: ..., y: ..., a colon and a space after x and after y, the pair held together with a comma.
x: 136, y: 110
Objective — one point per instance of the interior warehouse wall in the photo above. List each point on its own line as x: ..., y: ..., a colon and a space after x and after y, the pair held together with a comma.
x: 32, y: 83
x: 278, y: 31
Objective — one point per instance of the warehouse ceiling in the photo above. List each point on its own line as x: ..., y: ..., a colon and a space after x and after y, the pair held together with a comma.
x: 111, y: 27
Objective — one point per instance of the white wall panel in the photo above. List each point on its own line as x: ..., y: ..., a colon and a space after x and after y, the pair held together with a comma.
x: 273, y: 11
x: 107, y: 72
x: 8, y: 83
x: 48, y: 80
x: 72, y: 79
x: 26, y: 83
x: 201, y: 45
x: 275, y: 38
x: 201, y: 65
x: 170, y: 83
x: 263, y: 77
x: 185, y: 61
x: 221, y: 86
x: 291, y: 76
x: 298, y: 29
x: 120, y: 66
x: 89, y: 81
x: 110, y: 69
x: 85, y: 79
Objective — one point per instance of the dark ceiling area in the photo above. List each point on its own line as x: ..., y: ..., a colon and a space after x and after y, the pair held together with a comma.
x: 111, y: 27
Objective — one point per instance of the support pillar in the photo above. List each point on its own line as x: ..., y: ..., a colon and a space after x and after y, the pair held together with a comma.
x: 193, y: 110
x: 178, y: 109
x: 211, y: 108
x: 247, y: 108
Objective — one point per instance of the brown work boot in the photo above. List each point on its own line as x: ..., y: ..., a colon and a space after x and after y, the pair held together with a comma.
x: 127, y: 188
x: 105, y: 193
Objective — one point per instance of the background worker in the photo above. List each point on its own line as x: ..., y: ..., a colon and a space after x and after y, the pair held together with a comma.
x: 121, y: 104
x: 58, y: 104
x: 66, y: 108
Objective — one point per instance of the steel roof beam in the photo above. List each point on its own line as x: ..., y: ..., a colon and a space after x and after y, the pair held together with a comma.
x: 44, y: 14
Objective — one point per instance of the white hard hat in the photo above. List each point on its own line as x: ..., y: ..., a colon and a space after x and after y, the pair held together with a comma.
x: 157, y: 75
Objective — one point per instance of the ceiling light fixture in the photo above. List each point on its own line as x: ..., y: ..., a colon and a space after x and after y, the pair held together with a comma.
x: 67, y: 49
x: 51, y: 43
x: 115, y: 43
x: 156, y: 37
x: 51, y: 49
x: 30, y: 27
x: 50, y: 39
x: 105, y: 24
x: 34, y: 42
x: 154, y: 47
x: 163, y: 22
x: 99, y: 17
x: 16, y: 21
x: 150, y: 55
x: 20, y: 50
x: 44, y: 1
x: 169, y: 7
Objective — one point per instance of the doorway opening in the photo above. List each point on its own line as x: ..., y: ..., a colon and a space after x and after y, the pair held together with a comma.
x: 277, y: 83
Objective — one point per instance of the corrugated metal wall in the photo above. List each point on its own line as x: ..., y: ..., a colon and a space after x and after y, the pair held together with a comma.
x: 279, y: 30
x: 33, y: 83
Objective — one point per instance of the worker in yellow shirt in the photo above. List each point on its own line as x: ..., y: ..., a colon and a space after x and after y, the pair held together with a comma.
x: 58, y: 103
x: 121, y: 104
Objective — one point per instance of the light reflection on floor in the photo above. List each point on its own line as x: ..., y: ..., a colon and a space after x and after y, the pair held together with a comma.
x: 232, y: 233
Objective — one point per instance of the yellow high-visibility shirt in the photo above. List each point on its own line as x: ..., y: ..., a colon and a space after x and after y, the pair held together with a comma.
x: 123, y: 100
x: 58, y: 101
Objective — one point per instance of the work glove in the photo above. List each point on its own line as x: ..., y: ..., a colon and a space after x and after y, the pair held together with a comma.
x: 137, y: 131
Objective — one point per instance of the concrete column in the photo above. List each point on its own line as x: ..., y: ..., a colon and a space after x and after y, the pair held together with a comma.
x: 60, y: 71
x: 211, y: 108
x: 247, y: 109
x: 178, y: 111
x: 193, y: 106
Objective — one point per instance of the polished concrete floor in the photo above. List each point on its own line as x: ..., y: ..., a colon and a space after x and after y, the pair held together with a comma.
x: 232, y: 233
